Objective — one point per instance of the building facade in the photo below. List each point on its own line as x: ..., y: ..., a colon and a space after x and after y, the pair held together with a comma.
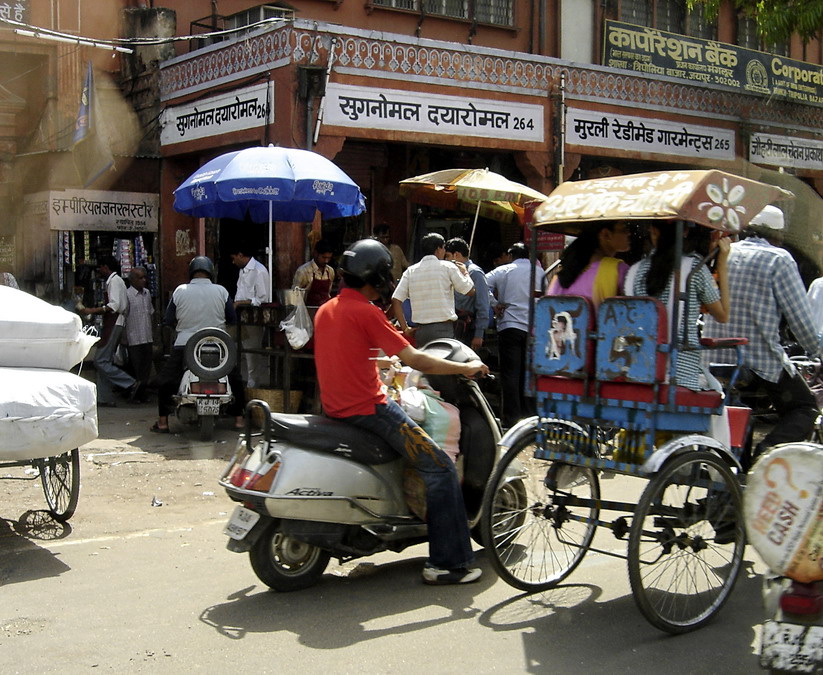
x: 389, y: 89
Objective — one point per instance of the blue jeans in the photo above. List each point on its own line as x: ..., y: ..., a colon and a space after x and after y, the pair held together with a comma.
x: 449, y: 542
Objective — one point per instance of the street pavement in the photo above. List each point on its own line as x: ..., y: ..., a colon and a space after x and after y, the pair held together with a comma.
x: 140, y: 581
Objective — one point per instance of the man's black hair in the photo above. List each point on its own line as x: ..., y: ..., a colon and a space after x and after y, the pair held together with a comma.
x: 431, y: 242
x: 518, y: 250
x: 322, y: 246
x: 458, y: 245
x: 242, y: 249
x: 380, y: 229
x: 109, y: 261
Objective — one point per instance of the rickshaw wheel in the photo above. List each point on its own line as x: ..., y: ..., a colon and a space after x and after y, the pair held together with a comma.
x: 686, y: 542
x: 60, y: 476
x: 531, y: 536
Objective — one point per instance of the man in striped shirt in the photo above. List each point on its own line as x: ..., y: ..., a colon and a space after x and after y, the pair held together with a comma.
x: 430, y: 286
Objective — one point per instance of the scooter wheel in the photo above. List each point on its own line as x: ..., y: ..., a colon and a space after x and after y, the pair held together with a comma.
x: 286, y: 564
x: 207, y: 424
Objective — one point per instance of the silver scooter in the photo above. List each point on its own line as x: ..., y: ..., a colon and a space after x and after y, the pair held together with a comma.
x: 311, y: 488
x: 205, y: 392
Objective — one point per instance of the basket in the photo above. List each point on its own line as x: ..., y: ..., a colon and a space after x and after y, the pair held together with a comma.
x: 274, y: 397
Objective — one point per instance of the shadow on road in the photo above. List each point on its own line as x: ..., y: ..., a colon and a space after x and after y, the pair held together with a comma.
x: 21, y: 559
x: 554, y: 624
x: 355, y: 605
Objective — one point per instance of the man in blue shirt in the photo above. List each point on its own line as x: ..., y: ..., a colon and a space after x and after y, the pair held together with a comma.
x: 764, y: 287
x: 511, y: 286
x: 472, y: 310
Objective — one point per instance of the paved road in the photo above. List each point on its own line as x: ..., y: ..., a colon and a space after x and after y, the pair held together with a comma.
x: 131, y: 587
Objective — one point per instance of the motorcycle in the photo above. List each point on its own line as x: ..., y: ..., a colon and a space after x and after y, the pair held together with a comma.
x: 311, y: 488
x: 783, y: 512
x: 209, y: 355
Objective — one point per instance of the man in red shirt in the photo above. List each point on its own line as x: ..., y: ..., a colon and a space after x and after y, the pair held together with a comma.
x: 349, y: 334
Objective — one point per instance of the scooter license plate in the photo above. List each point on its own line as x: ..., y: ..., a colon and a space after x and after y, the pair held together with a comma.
x: 241, y: 522
x: 206, y: 406
x: 791, y: 647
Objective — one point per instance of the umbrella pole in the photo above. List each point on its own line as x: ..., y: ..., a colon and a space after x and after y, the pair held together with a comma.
x: 270, y: 252
x: 474, y: 227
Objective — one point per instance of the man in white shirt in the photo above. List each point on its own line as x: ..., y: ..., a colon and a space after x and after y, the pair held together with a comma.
x: 430, y: 286
x: 139, y: 337
x: 253, y: 289
x: 115, y: 310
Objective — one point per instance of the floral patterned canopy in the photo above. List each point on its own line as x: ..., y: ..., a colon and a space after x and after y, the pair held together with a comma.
x: 716, y: 199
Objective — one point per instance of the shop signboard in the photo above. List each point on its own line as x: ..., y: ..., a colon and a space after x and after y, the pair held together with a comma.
x: 99, y: 210
x: 15, y: 10
x: 245, y: 108
x: 788, y: 151
x: 658, y: 52
x: 642, y: 134
x: 7, y: 251
x: 369, y: 108
x: 546, y: 241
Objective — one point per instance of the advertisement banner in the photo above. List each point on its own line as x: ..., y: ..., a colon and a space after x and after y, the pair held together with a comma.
x: 708, y: 62
x: 641, y: 134
x: 396, y: 110
x: 244, y: 108
x: 800, y: 153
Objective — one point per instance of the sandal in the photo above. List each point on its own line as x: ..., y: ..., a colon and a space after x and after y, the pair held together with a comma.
x: 159, y: 430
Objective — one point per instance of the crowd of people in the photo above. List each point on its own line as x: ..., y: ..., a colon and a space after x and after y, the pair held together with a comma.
x: 377, y: 302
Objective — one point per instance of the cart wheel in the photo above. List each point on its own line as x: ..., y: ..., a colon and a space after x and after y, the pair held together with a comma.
x: 686, y: 542
x: 533, y: 538
x: 60, y: 476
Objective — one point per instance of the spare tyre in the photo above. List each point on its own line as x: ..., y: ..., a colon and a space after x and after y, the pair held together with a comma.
x: 210, y: 353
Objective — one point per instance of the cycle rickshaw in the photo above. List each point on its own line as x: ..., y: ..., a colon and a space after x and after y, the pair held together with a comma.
x: 609, y: 407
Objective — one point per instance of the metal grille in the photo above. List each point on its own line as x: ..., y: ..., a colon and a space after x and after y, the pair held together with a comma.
x: 455, y: 8
x: 397, y: 4
x: 497, y: 12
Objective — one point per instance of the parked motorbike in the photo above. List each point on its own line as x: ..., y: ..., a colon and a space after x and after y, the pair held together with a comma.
x: 783, y: 510
x: 210, y: 354
x: 311, y: 488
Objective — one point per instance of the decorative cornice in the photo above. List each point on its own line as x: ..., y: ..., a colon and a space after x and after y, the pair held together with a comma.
x: 400, y: 58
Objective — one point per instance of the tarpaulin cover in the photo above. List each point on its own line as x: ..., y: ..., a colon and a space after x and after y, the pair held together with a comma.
x: 44, y: 412
x: 35, y: 334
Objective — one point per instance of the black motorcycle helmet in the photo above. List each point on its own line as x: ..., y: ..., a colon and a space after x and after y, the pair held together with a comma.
x: 368, y: 262
x: 201, y: 264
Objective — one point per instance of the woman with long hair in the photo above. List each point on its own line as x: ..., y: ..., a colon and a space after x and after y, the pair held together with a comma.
x: 588, y: 265
x: 654, y: 276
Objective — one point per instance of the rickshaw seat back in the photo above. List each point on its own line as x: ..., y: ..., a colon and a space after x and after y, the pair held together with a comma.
x: 632, y: 334
x: 563, y: 344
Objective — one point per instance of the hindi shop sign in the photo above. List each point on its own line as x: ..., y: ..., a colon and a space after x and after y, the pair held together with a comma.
x: 104, y: 211
x: 708, y: 62
x: 395, y: 110
x: 641, y: 134
x: 245, y: 108
x: 801, y: 153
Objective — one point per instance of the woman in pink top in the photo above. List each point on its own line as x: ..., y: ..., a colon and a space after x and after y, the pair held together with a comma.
x: 588, y: 266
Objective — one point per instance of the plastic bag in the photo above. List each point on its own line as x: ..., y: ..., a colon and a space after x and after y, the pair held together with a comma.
x: 297, y: 325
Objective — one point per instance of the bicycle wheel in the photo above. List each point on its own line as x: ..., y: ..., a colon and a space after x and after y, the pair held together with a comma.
x: 60, y: 476
x: 686, y: 542
x: 532, y: 540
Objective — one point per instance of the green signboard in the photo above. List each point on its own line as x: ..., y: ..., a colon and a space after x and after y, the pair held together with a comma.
x: 657, y: 52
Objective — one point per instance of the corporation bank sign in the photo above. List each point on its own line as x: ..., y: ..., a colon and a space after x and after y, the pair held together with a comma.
x: 396, y: 110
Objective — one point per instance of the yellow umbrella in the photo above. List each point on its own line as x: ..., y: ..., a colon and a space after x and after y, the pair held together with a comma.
x: 477, y: 191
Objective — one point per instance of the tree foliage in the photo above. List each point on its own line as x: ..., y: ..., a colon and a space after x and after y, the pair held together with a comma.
x: 776, y: 20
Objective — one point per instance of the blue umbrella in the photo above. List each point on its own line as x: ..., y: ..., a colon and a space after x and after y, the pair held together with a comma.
x: 268, y: 184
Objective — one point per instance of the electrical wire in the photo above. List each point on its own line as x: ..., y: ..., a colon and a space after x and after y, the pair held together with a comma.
x: 135, y: 41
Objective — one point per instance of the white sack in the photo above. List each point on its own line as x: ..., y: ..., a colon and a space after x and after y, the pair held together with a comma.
x: 35, y: 334
x: 44, y: 413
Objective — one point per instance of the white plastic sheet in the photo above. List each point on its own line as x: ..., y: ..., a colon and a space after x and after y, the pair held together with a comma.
x: 44, y: 412
x: 35, y: 334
